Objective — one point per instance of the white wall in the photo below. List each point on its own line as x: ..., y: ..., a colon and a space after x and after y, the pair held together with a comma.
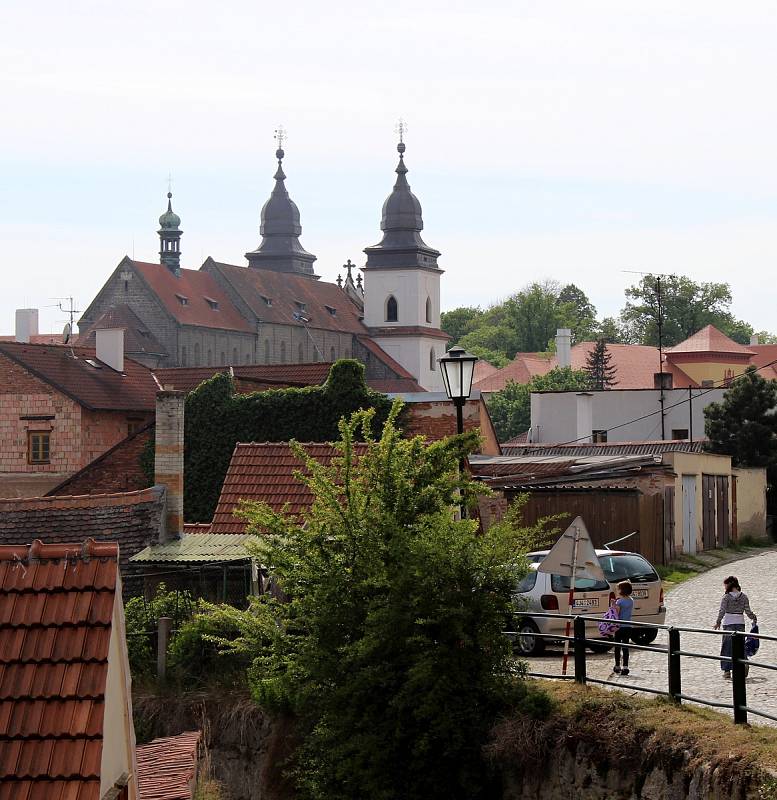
x: 554, y: 414
x: 412, y: 352
x: 410, y: 287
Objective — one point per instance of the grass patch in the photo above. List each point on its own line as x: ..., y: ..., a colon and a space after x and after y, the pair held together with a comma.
x: 208, y: 789
x: 674, y: 574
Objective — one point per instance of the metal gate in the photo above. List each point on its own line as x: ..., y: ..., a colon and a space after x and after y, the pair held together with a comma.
x: 689, y: 514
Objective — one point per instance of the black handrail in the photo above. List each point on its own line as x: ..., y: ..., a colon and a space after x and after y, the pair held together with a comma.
x: 674, y: 652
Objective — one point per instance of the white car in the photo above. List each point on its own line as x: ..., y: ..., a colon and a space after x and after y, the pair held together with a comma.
x: 648, y: 594
x: 541, y: 591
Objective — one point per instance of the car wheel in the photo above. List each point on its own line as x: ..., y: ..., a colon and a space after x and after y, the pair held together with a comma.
x: 599, y: 647
x: 527, y: 643
x: 644, y: 635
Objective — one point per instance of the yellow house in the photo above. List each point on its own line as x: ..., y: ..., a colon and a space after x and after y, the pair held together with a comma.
x: 709, y: 357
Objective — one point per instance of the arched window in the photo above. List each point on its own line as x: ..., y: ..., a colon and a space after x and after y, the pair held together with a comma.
x: 432, y: 360
x: 332, y: 355
x: 347, y: 353
x: 222, y: 359
x: 183, y: 357
x: 392, y: 310
x: 234, y: 356
x: 283, y: 352
x: 210, y: 358
x: 248, y: 358
x: 266, y: 351
x: 197, y: 354
x: 300, y: 353
x: 428, y: 309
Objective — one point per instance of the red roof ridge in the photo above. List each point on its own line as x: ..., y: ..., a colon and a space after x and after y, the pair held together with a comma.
x: 38, y: 551
x: 81, y: 500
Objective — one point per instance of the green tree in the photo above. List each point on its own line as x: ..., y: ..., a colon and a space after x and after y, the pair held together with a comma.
x: 534, y: 315
x: 601, y: 371
x: 459, y: 321
x: 744, y: 424
x: 577, y: 313
x: 687, y: 307
x: 510, y: 409
x: 389, y: 651
x: 609, y: 330
x: 494, y: 339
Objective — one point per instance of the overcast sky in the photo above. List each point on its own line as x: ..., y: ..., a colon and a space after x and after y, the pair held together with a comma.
x: 567, y: 140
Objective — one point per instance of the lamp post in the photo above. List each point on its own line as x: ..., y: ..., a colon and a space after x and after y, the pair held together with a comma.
x: 457, y: 367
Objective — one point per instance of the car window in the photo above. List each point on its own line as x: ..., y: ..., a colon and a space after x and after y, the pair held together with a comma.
x: 560, y: 583
x: 526, y: 584
x: 629, y: 566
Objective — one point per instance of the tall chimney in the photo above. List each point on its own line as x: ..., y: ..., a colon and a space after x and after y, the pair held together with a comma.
x: 753, y: 338
x: 168, y: 458
x: 26, y: 324
x: 564, y: 347
x: 110, y: 347
x: 585, y: 417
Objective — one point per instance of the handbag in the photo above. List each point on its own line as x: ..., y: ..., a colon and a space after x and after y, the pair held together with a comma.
x: 607, y: 628
x: 752, y: 643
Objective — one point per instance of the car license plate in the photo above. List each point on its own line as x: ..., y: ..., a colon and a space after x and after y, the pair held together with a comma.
x: 591, y: 602
x: 640, y: 594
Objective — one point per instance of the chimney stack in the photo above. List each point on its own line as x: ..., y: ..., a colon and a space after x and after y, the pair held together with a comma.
x: 168, y: 458
x: 26, y: 324
x: 564, y: 347
x: 585, y: 417
x: 753, y: 338
x: 110, y: 347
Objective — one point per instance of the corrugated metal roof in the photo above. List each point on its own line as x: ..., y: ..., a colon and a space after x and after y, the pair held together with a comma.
x: 197, y: 547
x: 607, y: 449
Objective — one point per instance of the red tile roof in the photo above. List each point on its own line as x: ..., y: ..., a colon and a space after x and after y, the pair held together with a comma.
x: 765, y: 354
x: 483, y: 369
x: 56, y: 608
x: 188, y: 378
x: 264, y: 471
x: 710, y: 340
x: 93, y: 385
x: 137, y: 337
x: 39, y: 338
x: 167, y: 768
x: 196, y: 287
x: 326, y: 305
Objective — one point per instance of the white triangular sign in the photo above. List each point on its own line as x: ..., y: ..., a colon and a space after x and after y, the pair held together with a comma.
x: 559, y: 560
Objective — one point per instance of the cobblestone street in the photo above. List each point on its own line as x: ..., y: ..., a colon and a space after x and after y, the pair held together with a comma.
x: 695, y: 604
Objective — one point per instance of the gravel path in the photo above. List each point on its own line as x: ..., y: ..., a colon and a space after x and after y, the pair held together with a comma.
x: 695, y: 604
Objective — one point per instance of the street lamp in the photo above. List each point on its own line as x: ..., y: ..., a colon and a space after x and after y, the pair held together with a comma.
x: 457, y: 367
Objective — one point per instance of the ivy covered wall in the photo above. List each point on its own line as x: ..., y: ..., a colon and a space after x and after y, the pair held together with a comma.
x: 217, y: 418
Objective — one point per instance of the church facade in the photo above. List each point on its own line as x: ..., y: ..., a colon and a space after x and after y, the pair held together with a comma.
x: 275, y: 309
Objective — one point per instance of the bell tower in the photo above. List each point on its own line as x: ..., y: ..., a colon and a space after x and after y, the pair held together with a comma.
x: 170, y: 238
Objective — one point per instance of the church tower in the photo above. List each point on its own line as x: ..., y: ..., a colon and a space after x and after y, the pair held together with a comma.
x: 280, y: 249
x: 402, y: 286
x: 170, y: 238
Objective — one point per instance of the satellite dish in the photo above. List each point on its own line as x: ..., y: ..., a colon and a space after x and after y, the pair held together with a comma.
x: 67, y: 332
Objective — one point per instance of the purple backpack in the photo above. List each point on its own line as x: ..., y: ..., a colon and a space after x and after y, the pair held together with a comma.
x: 607, y: 628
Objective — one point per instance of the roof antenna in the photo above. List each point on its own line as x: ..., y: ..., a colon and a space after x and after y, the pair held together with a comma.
x: 71, y: 311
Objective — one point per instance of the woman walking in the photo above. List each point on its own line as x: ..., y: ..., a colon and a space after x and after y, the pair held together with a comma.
x: 733, y: 608
x: 624, y: 606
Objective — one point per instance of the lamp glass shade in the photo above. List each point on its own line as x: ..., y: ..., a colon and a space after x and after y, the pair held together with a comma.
x: 458, y: 367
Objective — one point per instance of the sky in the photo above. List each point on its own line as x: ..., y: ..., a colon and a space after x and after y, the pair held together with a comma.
x: 566, y: 140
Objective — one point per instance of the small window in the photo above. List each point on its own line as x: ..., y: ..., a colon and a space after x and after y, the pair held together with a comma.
x: 300, y: 353
x: 214, y: 304
x: 679, y: 433
x: 222, y: 359
x: 283, y: 352
x: 332, y: 310
x: 267, y: 300
x: 184, y: 301
x: 266, y: 351
x: 248, y: 358
x: 332, y: 355
x: 526, y: 584
x: 126, y: 286
x: 196, y: 355
x: 391, y: 309
x: 560, y: 583
x: 347, y: 353
x: 428, y: 309
x: 234, y: 356
x: 209, y: 360
x: 432, y: 360
x: 300, y: 306
x: 134, y: 425
x: 599, y: 437
x: 38, y: 447
x: 708, y: 384
x: 184, y: 362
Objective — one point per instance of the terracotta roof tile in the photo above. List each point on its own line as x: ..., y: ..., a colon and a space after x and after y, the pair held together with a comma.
x: 39, y: 338
x: 95, y: 386
x: 710, y: 340
x: 265, y: 472
x: 285, y: 292
x: 765, y: 354
x: 193, y: 285
x: 56, y: 606
x: 167, y: 768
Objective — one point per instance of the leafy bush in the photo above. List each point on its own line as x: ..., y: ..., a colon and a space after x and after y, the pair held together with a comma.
x: 390, y: 649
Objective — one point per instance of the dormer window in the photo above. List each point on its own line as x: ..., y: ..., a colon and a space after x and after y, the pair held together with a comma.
x: 332, y: 311
x: 214, y: 304
x: 300, y: 306
x: 184, y: 301
x: 267, y: 300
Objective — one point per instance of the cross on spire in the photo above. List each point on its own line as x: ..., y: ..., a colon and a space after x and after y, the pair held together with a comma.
x: 280, y: 136
x: 401, y: 129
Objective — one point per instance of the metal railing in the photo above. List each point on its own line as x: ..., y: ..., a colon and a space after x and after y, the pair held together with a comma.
x: 674, y: 653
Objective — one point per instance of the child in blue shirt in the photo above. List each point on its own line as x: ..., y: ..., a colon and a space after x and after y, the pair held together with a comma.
x: 624, y: 607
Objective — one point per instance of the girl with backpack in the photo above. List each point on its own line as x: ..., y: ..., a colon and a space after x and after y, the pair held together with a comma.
x: 623, y: 607
x: 733, y: 607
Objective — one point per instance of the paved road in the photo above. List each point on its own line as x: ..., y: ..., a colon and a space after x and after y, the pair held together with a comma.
x: 695, y: 604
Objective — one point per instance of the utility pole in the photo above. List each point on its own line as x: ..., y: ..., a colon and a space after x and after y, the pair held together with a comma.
x: 661, y: 356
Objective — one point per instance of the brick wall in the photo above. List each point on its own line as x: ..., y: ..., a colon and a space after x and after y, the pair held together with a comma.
x: 168, y: 459
x: 437, y: 419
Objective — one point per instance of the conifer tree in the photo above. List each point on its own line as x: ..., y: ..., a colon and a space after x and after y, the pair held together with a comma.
x: 600, y: 370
